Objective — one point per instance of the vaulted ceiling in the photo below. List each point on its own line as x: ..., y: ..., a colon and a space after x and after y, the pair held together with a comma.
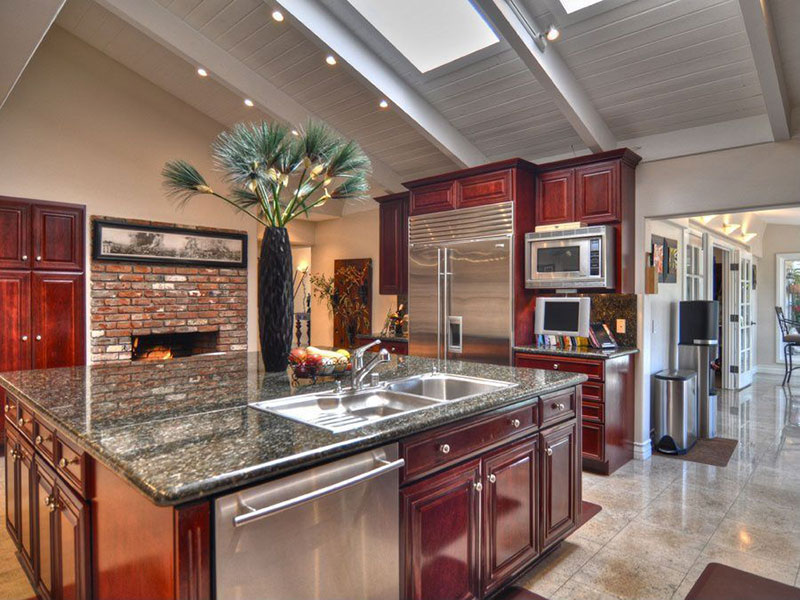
x: 622, y: 73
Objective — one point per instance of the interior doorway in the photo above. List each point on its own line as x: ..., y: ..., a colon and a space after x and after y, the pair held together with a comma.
x: 718, y: 294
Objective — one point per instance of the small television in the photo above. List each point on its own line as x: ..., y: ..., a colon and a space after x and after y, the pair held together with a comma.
x: 562, y: 316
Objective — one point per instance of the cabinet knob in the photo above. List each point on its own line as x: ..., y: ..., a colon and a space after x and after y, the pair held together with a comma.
x: 15, y: 454
x: 548, y: 451
x: 7, y: 408
x: 492, y: 478
x: 38, y: 338
x: 479, y: 487
x: 21, y: 422
x: 38, y: 440
x: 38, y: 258
x: 24, y: 257
x: 558, y: 406
x: 555, y: 366
x: 515, y: 423
x: 444, y: 448
x: 51, y: 503
x: 24, y: 338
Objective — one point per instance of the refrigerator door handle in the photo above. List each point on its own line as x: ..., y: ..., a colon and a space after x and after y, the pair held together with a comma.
x: 446, y: 301
x: 439, y: 276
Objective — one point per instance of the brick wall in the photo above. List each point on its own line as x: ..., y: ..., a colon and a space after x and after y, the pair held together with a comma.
x: 129, y: 299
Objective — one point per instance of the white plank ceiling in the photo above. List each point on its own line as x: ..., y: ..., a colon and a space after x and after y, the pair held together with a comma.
x: 649, y: 67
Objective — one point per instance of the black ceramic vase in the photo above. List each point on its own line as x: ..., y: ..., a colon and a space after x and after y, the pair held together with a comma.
x: 275, y: 298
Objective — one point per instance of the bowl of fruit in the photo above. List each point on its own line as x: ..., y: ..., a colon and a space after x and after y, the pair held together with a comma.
x: 312, y: 362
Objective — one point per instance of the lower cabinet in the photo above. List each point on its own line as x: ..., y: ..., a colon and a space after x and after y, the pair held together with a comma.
x: 61, y: 537
x: 442, y: 527
x: 19, y: 461
x: 560, y: 481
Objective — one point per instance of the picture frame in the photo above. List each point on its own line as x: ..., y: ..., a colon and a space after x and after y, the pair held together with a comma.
x: 670, y: 261
x: 120, y: 241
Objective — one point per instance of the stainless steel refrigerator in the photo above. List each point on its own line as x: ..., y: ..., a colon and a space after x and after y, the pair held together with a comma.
x: 460, y: 284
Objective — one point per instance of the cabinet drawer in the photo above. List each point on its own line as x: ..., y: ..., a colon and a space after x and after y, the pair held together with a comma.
x: 557, y: 407
x: 593, y: 391
x: 10, y: 407
x: 395, y: 348
x: 430, y: 450
x: 594, y: 440
x: 44, y: 439
x: 593, y: 411
x: 592, y: 368
x: 71, y: 464
x: 25, y: 421
x: 487, y: 188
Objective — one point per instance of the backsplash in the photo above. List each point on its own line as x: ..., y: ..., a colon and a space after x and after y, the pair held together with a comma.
x: 607, y: 308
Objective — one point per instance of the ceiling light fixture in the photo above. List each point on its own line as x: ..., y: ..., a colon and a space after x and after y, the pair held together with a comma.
x: 277, y: 15
x: 202, y: 72
x: 552, y: 33
x: 383, y: 104
x: 330, y: 59
x: 248, y: 102
x: 706, y: 219
x: 746, y: 237
x: 729, y: 228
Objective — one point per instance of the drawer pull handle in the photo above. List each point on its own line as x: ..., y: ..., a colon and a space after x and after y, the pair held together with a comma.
x: 21, y: 422
x: 39, y: 440
x: 558, y: 406
x: 444, y: 448
x: 515, y: 423
x: 38, y: 338
x: 479, y: 487
x: 15, y: 454
x: 64, y: 463
x: 51, y: 503
x: 8, y: 408
x: 24, y: 338
x: 38, y: 258
x: 492, y: 478
x: 548, y: 451
x: 24, y: 257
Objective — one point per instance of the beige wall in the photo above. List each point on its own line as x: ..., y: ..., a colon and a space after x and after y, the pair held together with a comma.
x: 777, y: 239
x: 81, y: 128
x: 352, y: 236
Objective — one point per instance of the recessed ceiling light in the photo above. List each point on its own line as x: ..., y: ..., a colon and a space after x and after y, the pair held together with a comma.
x: 552, y: 33
x: 729, y: 228
x: 202, y: 72
x: 248, y: 102
x: 330, y: 59
x: 277, y: 15
x: 383, y: 104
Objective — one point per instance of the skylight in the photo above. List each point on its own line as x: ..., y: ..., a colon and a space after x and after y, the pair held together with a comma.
x: 429, y: 33
x: 571, y: 6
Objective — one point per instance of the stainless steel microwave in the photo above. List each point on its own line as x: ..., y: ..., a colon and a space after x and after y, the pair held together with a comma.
x: 571, y: 258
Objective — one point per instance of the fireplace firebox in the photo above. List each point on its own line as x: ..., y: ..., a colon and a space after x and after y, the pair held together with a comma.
x: 164, y: 346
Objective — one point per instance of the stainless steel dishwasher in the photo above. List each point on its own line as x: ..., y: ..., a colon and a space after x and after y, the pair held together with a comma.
x: 327, y: 533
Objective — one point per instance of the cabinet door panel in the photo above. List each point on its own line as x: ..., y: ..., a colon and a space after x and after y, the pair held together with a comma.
x: 555, y: 197
x: 393, y: 247
x: 57, y: 308
x: 594, y: 440
x: 484, y: 189
x: 15, y: 243
x: 433, y: 198
x: 560, y: 481
x: 597, y: 193
x: 15, y: 306
x: 441, y: 517
x: 44, y: 496
x: 12, y: 482
x: 511, y: 510
x: 71, y: 543
x: 25, y: 507
x: 58, y: 238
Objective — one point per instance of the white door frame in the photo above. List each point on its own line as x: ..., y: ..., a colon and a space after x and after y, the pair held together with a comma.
x: 780, y: 297
x: 727, y: 336
x: 743, y: 327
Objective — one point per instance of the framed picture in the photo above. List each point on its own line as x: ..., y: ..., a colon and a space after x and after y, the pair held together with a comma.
x: 657, y: 243
x: 126, y: 242
x: 671, y: 261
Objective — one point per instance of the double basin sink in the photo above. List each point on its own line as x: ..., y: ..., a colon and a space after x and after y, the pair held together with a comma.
x: 348, y: 409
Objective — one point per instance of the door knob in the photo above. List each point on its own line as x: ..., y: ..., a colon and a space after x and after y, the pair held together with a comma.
x: 38, y: 258
x: 38, y: 338
x: 549, y: 451
x: 24, y: 338
x: 24, y: 257
x: 492, y: 478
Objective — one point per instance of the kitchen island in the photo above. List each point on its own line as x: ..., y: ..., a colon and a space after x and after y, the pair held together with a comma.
x: 114, y: 469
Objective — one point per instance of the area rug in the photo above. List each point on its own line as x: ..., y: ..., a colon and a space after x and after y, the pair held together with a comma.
x: 721, y: 582
x: 588, y: 511
x: 715, y: 451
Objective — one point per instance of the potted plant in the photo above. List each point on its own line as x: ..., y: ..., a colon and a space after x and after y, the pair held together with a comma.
x: 346, y: 296
x: 276, y: 175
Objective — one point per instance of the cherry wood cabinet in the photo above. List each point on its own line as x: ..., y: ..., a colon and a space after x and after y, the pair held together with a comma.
x: 44, y: 496
x: 442, y: 527
x: 560, y: 482
x: 393, y: 260
x: 511, y: 511
x: 434, y: 197
x: 19, y: 513
x: 57, y: 319
x: 598, y: 193
x: 15, y: 234
x: 15, y: 306
x: 555, y: 197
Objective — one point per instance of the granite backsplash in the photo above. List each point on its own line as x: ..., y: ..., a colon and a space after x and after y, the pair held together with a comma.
x: 607, y: 308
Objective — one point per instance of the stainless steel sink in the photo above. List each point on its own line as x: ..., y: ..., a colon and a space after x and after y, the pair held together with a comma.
x: 444, y: 387
x: 347, y: 410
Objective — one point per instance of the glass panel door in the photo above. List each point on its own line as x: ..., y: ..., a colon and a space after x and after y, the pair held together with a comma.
x: 746, y: 321
x: 787, y: 293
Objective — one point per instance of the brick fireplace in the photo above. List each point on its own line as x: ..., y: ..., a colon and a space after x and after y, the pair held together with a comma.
x: 188, y: 309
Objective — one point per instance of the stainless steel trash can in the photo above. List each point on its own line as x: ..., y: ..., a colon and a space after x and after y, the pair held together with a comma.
x: 675, y: 411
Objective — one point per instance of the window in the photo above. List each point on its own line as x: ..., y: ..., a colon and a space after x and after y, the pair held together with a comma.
x: 429, y: 34
x: 787, y: 292
x: 693, y: 286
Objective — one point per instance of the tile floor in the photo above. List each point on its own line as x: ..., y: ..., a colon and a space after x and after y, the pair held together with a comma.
x: 663, y: 520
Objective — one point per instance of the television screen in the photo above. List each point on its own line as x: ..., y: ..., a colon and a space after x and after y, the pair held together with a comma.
x: 562, y: 316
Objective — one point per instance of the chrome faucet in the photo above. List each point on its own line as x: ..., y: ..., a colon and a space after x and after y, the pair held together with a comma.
x: 360, y: 370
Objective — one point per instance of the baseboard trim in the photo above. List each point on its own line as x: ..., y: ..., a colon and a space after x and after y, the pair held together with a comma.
x: 642, y: 450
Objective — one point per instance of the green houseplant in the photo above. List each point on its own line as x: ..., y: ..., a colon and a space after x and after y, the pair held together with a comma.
x: 276, y: 175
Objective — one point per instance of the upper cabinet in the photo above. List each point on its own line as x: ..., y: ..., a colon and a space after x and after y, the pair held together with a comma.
x: 41, y: 236
x: 393, y: 261
x: 433, y: 198
x: 596, y: 189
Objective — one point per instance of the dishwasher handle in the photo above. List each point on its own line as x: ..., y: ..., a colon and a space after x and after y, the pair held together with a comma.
x: 272, y: 509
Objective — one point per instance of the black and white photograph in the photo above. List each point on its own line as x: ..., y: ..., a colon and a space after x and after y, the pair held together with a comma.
x: 174, y: 245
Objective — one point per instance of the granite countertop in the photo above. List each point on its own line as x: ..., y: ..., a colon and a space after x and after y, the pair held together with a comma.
x: 579, y: 352
x: 180, y: 430
x: 397, y: 339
